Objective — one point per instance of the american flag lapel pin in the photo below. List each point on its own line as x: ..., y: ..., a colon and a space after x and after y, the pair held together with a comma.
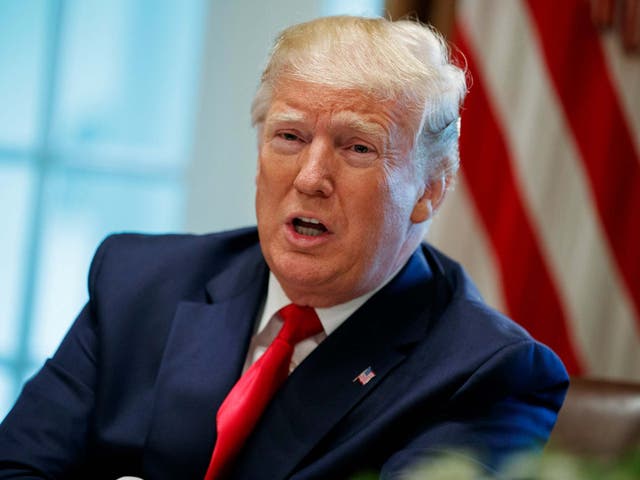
x: 365, y: 376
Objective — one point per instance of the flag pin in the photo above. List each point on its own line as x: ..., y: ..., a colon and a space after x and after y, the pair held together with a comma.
x: 365, y: 376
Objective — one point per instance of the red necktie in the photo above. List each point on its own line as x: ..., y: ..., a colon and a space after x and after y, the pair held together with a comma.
x: 246, y: 401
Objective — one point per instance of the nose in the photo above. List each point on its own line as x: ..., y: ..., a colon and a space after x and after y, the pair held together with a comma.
x: 316, y: 176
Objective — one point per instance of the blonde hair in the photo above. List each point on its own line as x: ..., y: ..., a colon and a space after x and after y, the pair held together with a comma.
x: 403, y: 61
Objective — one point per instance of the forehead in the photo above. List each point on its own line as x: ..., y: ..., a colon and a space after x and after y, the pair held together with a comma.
x: 305, y: 101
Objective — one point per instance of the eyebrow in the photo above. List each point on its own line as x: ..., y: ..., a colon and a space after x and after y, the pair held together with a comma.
x: 289, y: 115
x: 356, y: 122
x: 345, y: 118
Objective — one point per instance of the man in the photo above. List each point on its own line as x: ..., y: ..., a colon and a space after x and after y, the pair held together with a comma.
x: 162, y: 374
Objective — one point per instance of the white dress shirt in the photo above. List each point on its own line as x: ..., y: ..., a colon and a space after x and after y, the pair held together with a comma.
x: 270, y: 322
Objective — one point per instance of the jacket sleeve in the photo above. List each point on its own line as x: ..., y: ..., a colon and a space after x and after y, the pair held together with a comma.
x: 507, y: 406
x: 45, y: 434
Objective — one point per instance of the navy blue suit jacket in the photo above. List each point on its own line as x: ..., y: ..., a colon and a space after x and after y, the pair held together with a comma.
x: 135, y: 385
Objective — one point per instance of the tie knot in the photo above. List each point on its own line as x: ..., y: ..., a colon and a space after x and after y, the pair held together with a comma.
x: 299, y: 323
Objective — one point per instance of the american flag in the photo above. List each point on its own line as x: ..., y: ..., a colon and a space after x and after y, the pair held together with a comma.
x: 365, y: 376
x: 546, y: 211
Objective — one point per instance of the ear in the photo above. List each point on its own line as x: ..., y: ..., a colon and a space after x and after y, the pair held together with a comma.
x: 430, y: 200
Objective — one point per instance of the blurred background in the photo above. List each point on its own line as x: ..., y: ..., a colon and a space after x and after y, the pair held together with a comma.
x: 133, y: 115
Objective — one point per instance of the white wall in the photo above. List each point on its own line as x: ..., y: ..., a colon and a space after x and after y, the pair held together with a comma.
x: 220, y: 182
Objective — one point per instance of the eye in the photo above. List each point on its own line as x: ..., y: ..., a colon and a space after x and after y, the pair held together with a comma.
x: 290, y: 137
x: 361, y: 148
x: 360, y: 154
x: 287, y: 142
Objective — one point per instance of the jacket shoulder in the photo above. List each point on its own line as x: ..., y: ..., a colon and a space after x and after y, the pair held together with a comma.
x: 177, y: 262
x: 178, y: 247
x: 488, y: 336
x: 467, y: 305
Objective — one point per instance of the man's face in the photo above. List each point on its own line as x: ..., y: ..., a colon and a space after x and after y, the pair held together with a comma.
x: 338, y: 198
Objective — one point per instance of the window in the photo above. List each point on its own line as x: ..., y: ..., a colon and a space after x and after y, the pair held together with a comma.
x: 97, y: 110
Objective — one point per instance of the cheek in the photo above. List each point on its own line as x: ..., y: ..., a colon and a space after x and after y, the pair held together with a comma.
x: 274, y: 168
x: 368, y: 207
x: 266, y: 175
x: 393, y: 206
x: 273, y: 182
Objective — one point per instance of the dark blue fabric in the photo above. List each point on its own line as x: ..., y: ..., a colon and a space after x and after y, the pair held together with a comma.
x: 135, y: 385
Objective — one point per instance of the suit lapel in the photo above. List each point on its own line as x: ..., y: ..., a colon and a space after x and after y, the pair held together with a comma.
x: 323, y: 389
x: 203, y: 358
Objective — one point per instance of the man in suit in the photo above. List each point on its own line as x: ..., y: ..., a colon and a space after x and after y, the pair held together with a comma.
x: 357, y: 123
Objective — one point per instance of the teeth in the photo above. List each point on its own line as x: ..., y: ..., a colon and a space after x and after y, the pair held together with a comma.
x: 315, y: 221
x: 312, y: 232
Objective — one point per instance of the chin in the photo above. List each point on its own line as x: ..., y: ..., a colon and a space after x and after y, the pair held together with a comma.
x: 300, y: 275
x: 299, y: 272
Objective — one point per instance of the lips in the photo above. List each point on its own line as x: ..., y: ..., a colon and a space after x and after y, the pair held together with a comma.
x: 308, y: 226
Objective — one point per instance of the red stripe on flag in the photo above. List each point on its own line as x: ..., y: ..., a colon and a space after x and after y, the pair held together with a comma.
x: 579, y: 74
x: 530, y: 293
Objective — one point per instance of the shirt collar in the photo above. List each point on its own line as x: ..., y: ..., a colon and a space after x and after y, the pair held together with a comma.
x: 330, y: 318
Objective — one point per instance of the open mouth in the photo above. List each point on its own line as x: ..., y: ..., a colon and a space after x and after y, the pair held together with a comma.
x: 310, y: 227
